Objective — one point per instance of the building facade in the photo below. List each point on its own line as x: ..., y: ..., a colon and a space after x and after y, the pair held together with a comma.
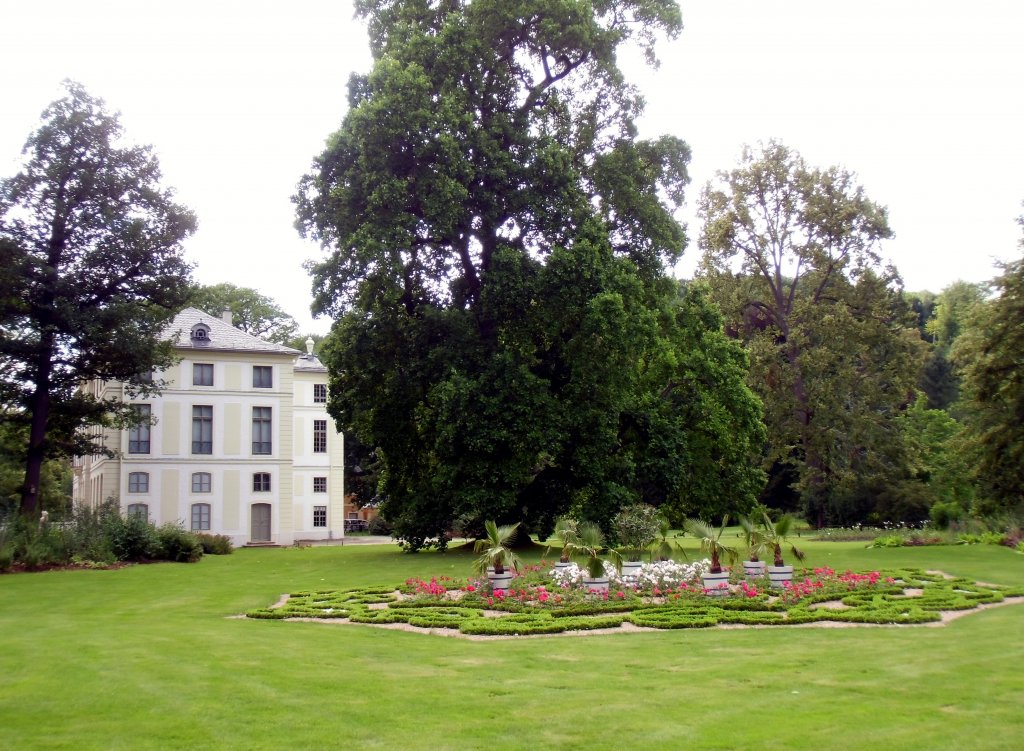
x: 239, y: 441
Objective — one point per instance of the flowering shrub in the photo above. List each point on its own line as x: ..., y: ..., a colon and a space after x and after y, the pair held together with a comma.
x: 662, y: 575
x: 669, y: 574
x: 825, y: 581
x: 437, y: 587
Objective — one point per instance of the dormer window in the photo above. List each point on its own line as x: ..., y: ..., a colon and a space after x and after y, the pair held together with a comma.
x: 200, y: 333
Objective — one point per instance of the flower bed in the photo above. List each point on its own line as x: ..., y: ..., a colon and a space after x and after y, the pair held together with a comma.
x: 540, y: 602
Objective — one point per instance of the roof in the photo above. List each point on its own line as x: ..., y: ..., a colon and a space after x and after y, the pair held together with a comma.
x: 222, y: 336
x: 310, y: 364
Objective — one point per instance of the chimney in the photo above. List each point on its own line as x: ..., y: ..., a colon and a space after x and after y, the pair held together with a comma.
x: 227, y: 317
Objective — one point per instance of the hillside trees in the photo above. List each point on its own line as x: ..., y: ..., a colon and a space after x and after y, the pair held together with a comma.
x: 791, y: 254
x: 90, y: 247
x: 507, y: 340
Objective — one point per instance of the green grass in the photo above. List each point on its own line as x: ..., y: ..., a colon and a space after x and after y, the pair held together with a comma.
x: 145, y: 657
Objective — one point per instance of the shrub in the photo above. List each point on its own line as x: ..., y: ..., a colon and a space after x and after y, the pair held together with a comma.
x: 6, y: 557
x: 378, y: 526
x: 943, y: 513
x: 635, y: 527
x: 215, y: 544
x: 177, y: 544
x: 131, y: 538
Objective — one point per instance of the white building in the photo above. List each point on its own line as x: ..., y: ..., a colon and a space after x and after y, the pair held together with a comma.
x: 240, y: 443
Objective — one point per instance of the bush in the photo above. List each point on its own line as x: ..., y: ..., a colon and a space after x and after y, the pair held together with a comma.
x: 131, y: 538
x: 177, y: 544
x: 378, y: 526
x: 635, y: 527
x: 943, y: 513
x: 6, y: 557
x: 215, y: 544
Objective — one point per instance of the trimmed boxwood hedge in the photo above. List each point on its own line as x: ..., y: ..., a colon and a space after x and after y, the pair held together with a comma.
x: 882, y: 603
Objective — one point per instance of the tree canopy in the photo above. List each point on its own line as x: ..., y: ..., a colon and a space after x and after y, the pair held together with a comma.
x: 791, y: 253
x: 90, y: 247
x: 990, y: 358
x: 252, y: 311
x: 507, y: 340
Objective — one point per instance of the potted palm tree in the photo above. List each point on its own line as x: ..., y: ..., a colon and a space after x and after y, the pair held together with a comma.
x: 590, y: 546
x: 496, y: 557
x: 716, y: 580
x: 567, y: 529
x: 775, y: 536
x: 754, y: 538
x: 665, y: 548
x: 636, y: 528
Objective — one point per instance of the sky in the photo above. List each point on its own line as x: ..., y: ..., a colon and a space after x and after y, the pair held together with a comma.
x: 922, y: 99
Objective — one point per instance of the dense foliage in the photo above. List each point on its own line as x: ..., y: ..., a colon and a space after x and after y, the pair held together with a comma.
x: 99, y: 537
x: 90, y: 247
x: 252, y: 312
x: 507, y: 342
x: 791, y: 254
x: 991, y: 357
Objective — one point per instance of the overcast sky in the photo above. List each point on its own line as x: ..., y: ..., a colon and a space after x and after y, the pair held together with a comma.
x: 922, y: 99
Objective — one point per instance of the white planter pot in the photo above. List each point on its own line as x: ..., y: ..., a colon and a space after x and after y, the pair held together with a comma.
x: 595, y: 585
x: 780, y: 574
x: 562, y: 565
x: 631, y: 569
x: 753, y: 569
x: 716, y: 584
x: 500, y: 582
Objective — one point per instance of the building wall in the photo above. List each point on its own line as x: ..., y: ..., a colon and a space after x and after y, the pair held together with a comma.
x: 232, y: 463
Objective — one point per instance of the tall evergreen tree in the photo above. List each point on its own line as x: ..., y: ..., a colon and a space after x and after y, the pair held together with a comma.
x: 90, y: 247
x: 506, y: 336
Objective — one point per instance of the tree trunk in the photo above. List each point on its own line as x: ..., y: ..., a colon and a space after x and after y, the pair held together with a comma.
x: 40, y: 408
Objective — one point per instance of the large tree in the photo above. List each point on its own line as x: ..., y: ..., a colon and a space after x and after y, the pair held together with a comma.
x: 792, y: 254
x: 90, y: 247
x: 990, y: 356
x: 506, y: 334
x: 252, y: 311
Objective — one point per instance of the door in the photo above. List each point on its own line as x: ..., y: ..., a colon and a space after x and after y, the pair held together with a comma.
x: 261, y: 522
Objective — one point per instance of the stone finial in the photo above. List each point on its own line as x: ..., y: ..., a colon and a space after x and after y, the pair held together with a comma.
x: 309, y: 345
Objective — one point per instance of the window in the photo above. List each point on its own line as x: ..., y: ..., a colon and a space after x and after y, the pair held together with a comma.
x: 202, y: 430
x: 261, y: 423
x: 138, y: 435
x: 319, y: 393
x: 201, y: 333
x: 201, y: 482
x: 200, y: 517
x: 319, y: 436
x: 319, y: 516
x: 261, y: 482
x: 319, y: 484
x: 140, y: 510
x: 202, y: 374
x: 138, y: 482
x: 262, y: 377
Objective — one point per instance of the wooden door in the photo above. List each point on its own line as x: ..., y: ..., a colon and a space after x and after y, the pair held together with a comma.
x: 261, y: 522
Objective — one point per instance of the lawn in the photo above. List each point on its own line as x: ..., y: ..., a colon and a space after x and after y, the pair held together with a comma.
x: 145, y: 657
